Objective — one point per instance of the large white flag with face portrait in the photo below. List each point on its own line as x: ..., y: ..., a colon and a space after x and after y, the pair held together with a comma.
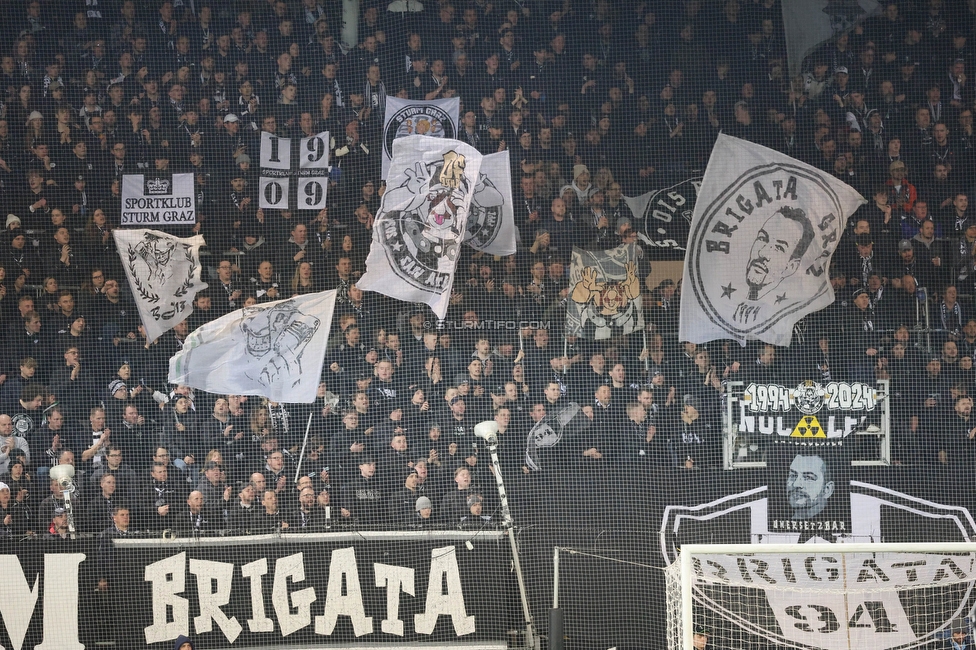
x: 275, y: 350
x: 762, y: 235
x: 164, y: 273
x: 420, y: 226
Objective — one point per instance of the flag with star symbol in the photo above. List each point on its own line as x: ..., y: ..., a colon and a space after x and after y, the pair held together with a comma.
x: 422, y: 221
x: 764, y: 229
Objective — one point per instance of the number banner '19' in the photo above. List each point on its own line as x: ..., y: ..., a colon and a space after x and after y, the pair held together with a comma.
x: 294, y: 172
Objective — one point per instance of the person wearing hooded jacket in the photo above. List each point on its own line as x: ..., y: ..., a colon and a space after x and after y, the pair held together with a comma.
x: 183, y: 643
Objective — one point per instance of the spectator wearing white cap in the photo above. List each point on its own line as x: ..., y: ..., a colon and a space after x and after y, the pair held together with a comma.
x: 581, y: 185
x: 232, y: 143
x: 13, y: 521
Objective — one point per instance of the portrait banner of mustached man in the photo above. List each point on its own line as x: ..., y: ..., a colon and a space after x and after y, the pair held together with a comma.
x: 809, y: 488
x: 422, y: 220
x: 605, y: 293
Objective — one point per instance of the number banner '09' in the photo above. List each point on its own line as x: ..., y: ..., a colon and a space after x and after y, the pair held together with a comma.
x: 274, y: 192
x: 304, y: 159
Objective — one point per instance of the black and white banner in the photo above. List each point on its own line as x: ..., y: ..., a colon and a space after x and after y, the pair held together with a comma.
x: 808, y: 410
x: 663, y: 217
x: 815, y: 598
x: 165, y: 274
x: 422, y: 220
x: 158, y: 199
x: 294, y: 172
x: 437, y: 118
x: 552, y: 435
x: 762, y: 235
x: 261, y: 591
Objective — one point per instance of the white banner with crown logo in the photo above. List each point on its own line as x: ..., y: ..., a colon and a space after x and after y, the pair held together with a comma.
x: 158, y: 199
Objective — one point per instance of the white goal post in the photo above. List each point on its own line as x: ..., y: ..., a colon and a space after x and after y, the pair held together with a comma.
x: 830, y: 596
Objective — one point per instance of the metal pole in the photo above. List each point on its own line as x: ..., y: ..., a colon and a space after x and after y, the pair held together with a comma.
x: 928, y: 323
x: 509, y: 525
x: 556, y: 627
x: 687, y: 600
x: 301, y: 456
x: 555, y: 577
x: 69, y: 508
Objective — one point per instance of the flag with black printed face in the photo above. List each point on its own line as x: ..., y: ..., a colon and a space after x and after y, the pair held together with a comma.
x: 764, y: 229
x: 275, y: 350
x: 421, y: 223
x: 164, y: 273
x: 605, y: 293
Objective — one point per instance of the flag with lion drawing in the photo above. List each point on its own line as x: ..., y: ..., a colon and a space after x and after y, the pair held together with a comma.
x: 605, y: 293
x: 164, y: 273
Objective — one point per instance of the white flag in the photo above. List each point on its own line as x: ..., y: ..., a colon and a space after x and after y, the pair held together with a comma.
x: 808, y: 23
x: 420, y: 225
x: 491, y: 221
x: 435, y: 118
x: 604, y: 293
x: 164, y: 273
x: 275, y: 350
x: 764, y: 229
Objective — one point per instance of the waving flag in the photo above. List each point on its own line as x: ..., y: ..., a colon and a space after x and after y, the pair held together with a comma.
x: 605, y: 293
x: 809, y: 23
x: 164, y: 273
x: 764, y: 229
x: 275, y: 350
x: 551, y: 436
x: 420, y: 225
x: 491, y: 220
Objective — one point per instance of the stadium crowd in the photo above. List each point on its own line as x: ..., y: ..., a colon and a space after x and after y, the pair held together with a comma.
x: 594, y: 100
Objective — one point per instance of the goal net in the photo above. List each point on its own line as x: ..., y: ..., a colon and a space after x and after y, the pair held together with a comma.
x: 830, y: 596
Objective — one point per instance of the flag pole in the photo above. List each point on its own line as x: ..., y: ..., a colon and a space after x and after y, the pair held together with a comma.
x: 565, y: 350
x: 301, y: 456
x: 647, y: 364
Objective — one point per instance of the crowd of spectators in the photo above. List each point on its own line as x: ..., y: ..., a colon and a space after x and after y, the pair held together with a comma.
x: 594, y: 100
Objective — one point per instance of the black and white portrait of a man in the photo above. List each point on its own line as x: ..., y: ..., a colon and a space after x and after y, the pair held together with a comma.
x: 778, y: 250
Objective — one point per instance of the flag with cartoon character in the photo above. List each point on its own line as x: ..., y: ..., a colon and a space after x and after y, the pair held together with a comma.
x: 165, y: 274
x: 421, y: 223
x: 275, y: 350
x: 605, y: 293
